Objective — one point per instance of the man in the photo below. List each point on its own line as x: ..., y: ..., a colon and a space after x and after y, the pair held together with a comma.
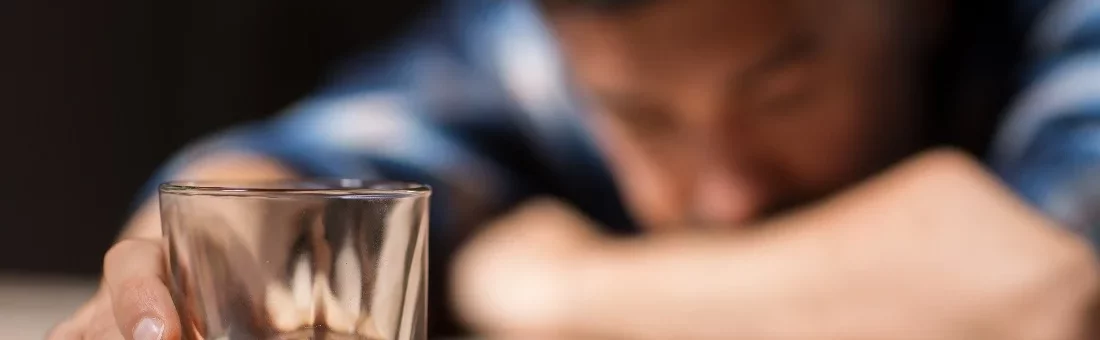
x: 713, y: 118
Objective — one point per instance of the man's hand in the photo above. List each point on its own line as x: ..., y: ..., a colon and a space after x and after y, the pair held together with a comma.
x: 133, y: 301
x: 933, y: 249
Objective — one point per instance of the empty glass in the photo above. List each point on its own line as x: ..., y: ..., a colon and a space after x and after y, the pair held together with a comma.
x: 341, y: 259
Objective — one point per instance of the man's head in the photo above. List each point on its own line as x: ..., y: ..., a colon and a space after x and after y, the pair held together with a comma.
x: 718, y: 111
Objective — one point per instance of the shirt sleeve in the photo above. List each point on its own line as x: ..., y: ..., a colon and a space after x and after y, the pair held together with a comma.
x: 1048, y: 147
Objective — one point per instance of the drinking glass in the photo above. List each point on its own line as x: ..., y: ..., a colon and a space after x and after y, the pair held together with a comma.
x: 316, y: 259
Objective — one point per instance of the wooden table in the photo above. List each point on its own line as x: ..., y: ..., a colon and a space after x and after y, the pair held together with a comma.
x: 31, y: 305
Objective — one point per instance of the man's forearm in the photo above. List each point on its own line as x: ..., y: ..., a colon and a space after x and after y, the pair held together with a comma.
x: 752, y: 287
x: 846, y: 268
x: 933, y: 249
x: 569, y: 283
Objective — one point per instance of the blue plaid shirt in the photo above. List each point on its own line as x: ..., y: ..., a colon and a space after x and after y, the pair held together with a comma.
x: 474, y: 102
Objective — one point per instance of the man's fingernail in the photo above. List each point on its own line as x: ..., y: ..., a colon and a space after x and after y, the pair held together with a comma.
x: 149, y: 329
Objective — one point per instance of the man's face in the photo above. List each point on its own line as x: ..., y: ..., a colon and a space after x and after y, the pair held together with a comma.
x: 713, y: 112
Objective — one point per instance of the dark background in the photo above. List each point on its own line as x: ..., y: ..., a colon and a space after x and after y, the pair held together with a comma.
x: 95, y: 94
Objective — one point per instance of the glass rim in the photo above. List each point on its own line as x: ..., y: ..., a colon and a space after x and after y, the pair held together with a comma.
x: 325, y: 187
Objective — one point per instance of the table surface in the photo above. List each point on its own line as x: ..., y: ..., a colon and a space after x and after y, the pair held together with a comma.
x: 31, y: 305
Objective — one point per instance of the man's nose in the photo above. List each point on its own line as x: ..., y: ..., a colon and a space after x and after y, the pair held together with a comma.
x: 725, y: 196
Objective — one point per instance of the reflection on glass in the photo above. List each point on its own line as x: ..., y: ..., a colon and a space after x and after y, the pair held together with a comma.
x: 298, y: 260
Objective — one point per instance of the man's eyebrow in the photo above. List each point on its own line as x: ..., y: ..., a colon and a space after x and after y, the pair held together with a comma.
x: 622, y: 99
x: 790, y: 48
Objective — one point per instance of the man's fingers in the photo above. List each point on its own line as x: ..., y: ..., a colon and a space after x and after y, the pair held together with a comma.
x: 102, y: 325
x: 94, y: 320
x: 73, y: 328
x: 135, y: 275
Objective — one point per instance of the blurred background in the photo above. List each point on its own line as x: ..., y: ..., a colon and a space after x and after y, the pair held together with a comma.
x: 96, y: 94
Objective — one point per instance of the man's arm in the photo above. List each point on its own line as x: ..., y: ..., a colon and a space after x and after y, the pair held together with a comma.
x: 933, y: 249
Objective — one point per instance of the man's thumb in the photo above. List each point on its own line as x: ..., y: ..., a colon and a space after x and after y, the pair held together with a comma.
x: 135, y: 276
